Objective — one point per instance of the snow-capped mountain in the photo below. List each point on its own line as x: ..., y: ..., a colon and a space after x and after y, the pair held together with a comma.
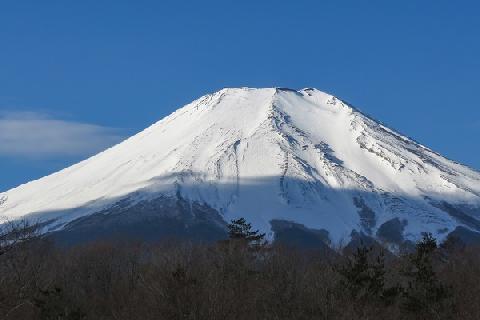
x: 303, y: 158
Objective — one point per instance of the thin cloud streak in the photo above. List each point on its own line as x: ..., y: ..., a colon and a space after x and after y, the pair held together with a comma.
x: 36, y: 135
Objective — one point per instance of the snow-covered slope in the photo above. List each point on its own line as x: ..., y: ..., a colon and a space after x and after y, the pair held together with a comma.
x: 268, y: 154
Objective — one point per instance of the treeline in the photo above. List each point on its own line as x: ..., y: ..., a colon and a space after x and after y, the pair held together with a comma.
x: 239, y: 278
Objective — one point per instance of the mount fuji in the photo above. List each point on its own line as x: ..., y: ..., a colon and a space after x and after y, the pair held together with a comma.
x: 290, y: 162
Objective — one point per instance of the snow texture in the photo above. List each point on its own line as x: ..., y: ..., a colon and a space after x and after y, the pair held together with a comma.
x: 267, y: 154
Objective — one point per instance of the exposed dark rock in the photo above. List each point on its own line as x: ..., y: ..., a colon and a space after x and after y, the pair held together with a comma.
x: 466, y: 236
x: 460, y: 213
x: 297, y: 235
x: 328, y: 152
x: 392, y: 231
x: 359, y: 239
x: 152, y: 220
x: 367, y: 215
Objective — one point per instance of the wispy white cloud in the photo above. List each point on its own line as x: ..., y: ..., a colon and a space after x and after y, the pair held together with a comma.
x: 37, y: 135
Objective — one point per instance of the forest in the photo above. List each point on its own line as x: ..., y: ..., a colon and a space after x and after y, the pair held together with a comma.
x: 242, y: 277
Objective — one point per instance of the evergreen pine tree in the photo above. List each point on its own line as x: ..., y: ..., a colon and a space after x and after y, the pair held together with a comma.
x: 424, y: 294
x: 364, y: 277
x: 241, y: 230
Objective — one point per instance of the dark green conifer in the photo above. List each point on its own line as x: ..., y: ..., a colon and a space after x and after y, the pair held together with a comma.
x: 240, y: 229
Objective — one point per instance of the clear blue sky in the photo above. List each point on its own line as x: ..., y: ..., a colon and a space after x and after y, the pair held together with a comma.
x: 76, y: 76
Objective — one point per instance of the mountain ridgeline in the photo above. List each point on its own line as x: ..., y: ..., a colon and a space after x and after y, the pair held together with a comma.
x: 302, y: 166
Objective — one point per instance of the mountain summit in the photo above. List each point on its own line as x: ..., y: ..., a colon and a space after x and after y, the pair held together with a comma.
x: 281, y: 158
